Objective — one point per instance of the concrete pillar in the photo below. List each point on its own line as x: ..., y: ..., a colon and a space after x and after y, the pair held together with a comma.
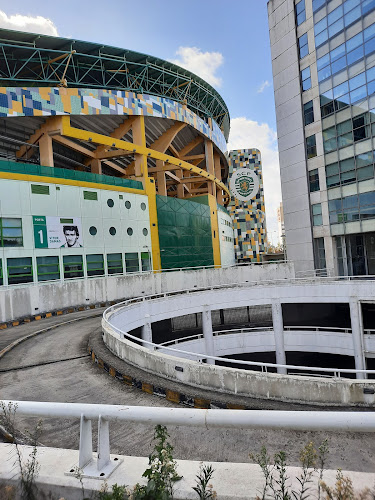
x: 46, y: 150
x: 278, y: 330
x: 208, y: 335
x: 357, y: 336
x: 147, y: 331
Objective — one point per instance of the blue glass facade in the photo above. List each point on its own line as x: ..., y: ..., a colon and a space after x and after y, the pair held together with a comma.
x: 344, y: 34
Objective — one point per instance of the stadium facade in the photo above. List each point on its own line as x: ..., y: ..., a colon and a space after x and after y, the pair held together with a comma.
x: 323, y: 57
x: 111, y: 162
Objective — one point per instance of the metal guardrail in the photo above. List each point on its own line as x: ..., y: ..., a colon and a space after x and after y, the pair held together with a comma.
x: 310, y: 370
x: 102, y: 466
x: 137, y: 273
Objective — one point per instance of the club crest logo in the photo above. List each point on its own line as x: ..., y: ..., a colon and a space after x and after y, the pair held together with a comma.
x: 244, y: 184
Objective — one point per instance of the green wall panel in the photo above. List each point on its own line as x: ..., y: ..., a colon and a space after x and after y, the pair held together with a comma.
x: 184, y: 233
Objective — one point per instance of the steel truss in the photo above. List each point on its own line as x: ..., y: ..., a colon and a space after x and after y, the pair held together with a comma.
x: 55, y: 61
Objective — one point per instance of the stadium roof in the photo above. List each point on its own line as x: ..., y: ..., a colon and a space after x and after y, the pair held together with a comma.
x: 32, y: 60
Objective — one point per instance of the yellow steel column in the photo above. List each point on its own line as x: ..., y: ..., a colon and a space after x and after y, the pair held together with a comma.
x: 214, y: 230
x: 140, y: 170
x: 219, y: 192
x: 151, y: 193
x: 209, y: 152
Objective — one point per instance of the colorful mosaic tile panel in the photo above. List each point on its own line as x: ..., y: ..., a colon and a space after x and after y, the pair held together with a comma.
x: 249, y: 218
x: 47, y: 101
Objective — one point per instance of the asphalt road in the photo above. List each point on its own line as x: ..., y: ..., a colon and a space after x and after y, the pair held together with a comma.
x: 55, y: 366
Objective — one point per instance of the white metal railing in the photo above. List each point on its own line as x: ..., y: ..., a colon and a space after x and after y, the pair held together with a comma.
x: 318, y: 329
x: 333, y: 372
x: 102, y: 466
x: 237, y: 331
x: 308, y: 370
x: 280, y: 281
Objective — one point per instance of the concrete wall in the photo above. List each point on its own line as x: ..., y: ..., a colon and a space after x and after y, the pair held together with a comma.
x: 19, y: 301
x: 290, y: 131
x: 241, y: 382
x: 264, y: 341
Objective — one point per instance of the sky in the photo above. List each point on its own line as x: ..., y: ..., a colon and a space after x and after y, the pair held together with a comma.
x: 226, y: 43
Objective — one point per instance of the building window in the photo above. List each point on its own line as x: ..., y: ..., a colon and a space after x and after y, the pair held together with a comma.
x: 311, y: 146
x: 39, y: 189
x: 314, y: 180
x: 95, y: 265
x: 10, y: 232
x: 48, y: 268
x: 343, y: 16
x: 73, y: 266
x: 20, y: 270
x: 90, y: 195
x: 146, y: 261
x: 300, y: 12
x: 306, y: 79
x: 320, y: 254
x: 317, y: 214
x: 317, y: 4
x: 1, y: 273
x: 303, y: 46
x: 131, y: 263
x: 114, y: 263
x: 308, y: 113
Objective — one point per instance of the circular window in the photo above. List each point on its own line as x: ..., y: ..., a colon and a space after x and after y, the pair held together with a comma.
x: 143, y: 206
x: 93, y: 230
x: 110, y: 202
x: 145, y: 231
x: 128, y: 204
x: 129, y: 231
x: 112, y: 231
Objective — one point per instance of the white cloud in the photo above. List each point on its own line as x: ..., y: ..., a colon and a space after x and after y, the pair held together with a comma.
x: 248, y: 134
x: 263, y: 86
x: 203, y: 64
x: 33, y: 24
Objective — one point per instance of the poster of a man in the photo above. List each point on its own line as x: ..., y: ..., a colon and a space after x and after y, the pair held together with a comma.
x: 57, y: 232
x: 71, y: 234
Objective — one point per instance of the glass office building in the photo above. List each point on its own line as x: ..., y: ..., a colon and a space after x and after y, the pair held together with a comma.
x: 323, y: 54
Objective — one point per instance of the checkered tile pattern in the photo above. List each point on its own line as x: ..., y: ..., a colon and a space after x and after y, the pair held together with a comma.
x: 249, y: 218
x: 47, y: 101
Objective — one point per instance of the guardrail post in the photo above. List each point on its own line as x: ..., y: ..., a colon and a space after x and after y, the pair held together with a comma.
x: 278, y: 330
x: 357, y: 337
x: 207, y: 333
x: 103, y: 443
x: 85, y: 442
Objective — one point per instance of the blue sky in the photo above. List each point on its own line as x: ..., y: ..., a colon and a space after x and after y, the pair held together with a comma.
x: 226, y: 43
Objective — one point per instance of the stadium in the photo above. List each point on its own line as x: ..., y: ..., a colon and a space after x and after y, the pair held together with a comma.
x: 114, y: 197
x: 121, y: 151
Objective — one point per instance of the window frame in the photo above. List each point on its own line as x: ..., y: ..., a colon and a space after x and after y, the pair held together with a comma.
x: 47, y: 265
x: 111, y: 267
x: 29, y: 274
x: 2, y: 227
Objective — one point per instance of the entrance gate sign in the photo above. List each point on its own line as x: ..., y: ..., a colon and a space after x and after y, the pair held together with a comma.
x: 244, y: 184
